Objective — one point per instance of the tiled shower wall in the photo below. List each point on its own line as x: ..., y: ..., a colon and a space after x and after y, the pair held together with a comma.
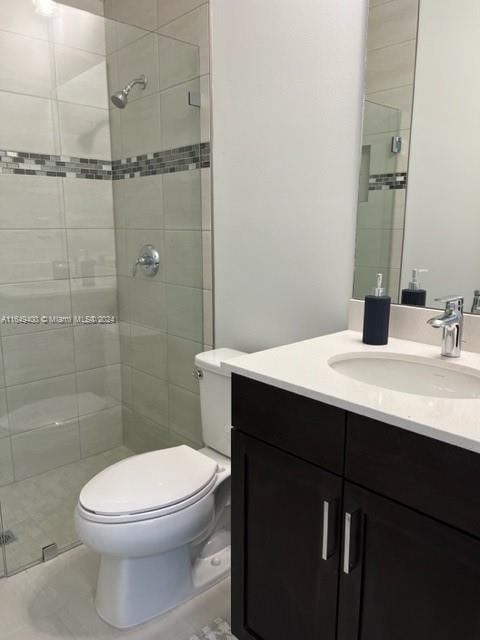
x: 167, y: 319
x: 391, y: 47
x: 94, y: 6
x: 60, y: 392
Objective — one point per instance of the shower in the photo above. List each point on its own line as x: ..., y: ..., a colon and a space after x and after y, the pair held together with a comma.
x: 120, y: 98
x: 70, y: 418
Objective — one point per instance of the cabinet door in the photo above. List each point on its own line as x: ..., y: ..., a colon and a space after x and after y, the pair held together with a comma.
x: 285, y: 542
x: 405, y: 576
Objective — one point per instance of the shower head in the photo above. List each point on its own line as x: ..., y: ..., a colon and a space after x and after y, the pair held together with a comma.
x: 120, y: 98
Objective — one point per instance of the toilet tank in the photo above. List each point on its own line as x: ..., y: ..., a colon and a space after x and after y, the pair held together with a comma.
x: 215, y: 398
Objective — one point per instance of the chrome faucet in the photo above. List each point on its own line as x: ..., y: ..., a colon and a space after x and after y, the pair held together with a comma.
x: 476, y: 303
x: 451, y: 323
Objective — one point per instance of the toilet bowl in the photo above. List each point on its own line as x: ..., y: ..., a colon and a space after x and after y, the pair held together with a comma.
x: 159, y: 520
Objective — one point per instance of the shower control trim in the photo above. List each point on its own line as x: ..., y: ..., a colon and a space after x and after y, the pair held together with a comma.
x: 148, y: 261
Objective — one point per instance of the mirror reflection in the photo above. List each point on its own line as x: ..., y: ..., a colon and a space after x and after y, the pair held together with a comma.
x: 419, y: 190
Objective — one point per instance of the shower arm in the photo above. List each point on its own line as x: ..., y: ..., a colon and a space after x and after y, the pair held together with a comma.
x: 140, y: 80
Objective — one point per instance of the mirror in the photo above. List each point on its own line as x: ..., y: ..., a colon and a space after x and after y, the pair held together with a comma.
x: 419, y: 185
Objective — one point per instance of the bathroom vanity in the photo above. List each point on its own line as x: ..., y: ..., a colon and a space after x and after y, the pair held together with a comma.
x: 356, y: 507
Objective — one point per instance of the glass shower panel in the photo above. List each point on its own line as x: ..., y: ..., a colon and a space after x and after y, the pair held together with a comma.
x: 158, y: 155
x: 95, y: 363
x: 380, y: 210
x: 60, y: 373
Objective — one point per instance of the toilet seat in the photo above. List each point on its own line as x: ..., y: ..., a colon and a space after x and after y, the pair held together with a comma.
x: 155, y: 514
x: 149, y: 485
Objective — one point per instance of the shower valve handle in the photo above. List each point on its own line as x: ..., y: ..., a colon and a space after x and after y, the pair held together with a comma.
x: 144, y: 261
x: 148, y: 260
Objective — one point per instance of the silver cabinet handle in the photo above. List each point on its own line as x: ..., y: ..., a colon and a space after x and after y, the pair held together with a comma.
x: 326, y: 515
x: 346, y: 548
x: 353, y: 536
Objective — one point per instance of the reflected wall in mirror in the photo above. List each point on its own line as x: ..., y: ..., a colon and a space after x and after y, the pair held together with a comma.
x: 391, y: 45
x: 419, y: 191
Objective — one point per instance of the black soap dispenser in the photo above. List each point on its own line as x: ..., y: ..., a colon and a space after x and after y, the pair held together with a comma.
x: 376, y: 318
x: 414, y: 295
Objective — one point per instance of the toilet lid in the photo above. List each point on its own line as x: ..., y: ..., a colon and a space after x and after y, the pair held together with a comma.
x: 148, y: 481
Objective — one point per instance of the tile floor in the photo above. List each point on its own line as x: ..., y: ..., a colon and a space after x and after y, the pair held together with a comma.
x: 54, y: 600
x: 39, y: 510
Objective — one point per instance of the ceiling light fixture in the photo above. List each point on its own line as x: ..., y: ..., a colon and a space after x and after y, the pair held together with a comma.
x: 46, y: 8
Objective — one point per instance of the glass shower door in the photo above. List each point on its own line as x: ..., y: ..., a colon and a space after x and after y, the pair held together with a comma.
x: 60, y: 384
x: 95, y: 362
x: 157, y: 189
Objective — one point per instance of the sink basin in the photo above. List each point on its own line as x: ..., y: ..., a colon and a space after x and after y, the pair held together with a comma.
x: 409, y: 374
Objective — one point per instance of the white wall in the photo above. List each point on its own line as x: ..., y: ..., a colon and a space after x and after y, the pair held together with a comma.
x: 287, y: 87
x: 443, y: 202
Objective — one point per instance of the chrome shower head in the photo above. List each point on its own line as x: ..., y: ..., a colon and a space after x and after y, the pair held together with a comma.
x: 120, y: 98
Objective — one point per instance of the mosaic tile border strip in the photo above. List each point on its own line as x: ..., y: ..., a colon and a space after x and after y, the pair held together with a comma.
x: 385, y: 181
x: 185, y: 158
x: 41, y: 164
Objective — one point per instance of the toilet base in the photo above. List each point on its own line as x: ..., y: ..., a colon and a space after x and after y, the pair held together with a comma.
x: 131, y: 591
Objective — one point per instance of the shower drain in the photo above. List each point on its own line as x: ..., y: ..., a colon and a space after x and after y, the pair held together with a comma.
x: 6, y: 537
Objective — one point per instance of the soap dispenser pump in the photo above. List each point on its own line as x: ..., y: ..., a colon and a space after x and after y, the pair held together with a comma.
x: 376, y: 318
x: 414, y: 295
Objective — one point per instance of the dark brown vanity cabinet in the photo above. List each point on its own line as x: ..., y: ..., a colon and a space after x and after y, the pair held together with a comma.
x: 412, y: 577
x: 285, y: 563
x: 368, y: 539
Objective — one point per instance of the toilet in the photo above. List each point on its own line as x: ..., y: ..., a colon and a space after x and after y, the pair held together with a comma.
x: 160, y: 520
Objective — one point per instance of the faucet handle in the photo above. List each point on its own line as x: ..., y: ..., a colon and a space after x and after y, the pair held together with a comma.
x: 448, y: 298
x: 476, y: 302
x: 454, y: 303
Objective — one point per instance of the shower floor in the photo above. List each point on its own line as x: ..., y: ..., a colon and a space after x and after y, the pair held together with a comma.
x: 39, y: 511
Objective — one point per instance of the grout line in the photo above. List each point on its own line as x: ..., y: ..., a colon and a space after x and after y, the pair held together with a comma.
x: 400, y: 86
x: 405, y: 131
x: 380, y: 4
x: 393, y: 44
x: 165, y: 427
x: 61, y: 375
x: 163, y: 332
x: 50, y: 41
x: 53, y: 97
x: 164, y: 229
x: 182, y: 15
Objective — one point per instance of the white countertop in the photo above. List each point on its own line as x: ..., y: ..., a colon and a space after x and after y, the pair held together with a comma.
x: 303, y: 368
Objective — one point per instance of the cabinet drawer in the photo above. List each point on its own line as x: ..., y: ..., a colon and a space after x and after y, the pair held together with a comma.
x: 304, y: 427
x: 433, y: 477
